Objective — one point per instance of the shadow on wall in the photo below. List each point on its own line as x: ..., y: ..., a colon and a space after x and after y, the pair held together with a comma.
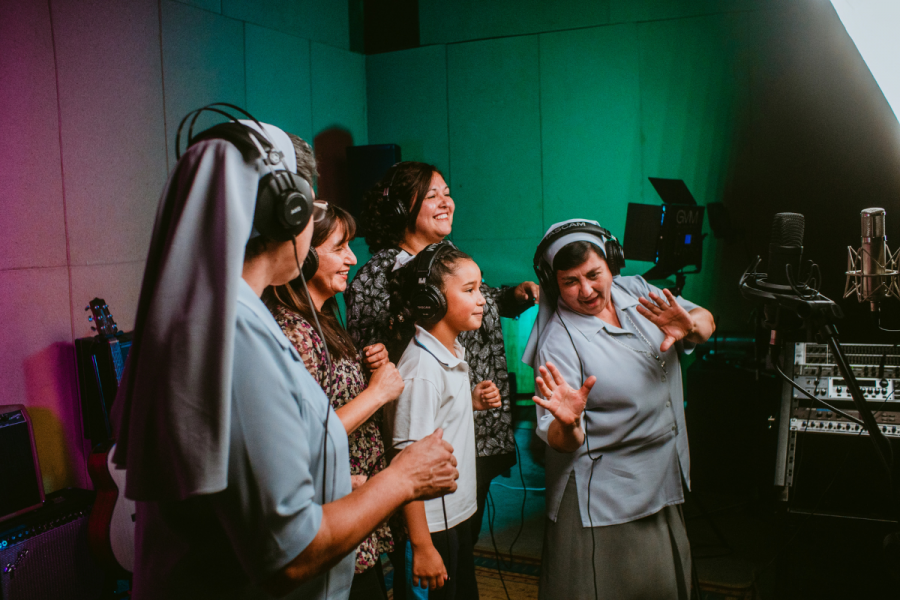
x: 56, y: 417
x: 330, y: 147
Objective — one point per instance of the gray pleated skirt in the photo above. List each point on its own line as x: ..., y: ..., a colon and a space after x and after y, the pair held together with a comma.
x: 649, y: 558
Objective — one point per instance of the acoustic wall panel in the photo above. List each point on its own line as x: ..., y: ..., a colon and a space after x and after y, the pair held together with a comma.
x: 38, y: 368
x: 113, y: 130
x: 407, y: 100
x: 495, y: 139
x: 203, y: 62
x: 502, y: 261
x: 119, y: 284
x: 445, y: 21
x: 326, y: 22
x: 32, y: 230
x: 695, y: 99
x: 339, y: 92
x: 210, y: 5
x: 694, y: 95
x: 278, y: 80
x: 590, y: 124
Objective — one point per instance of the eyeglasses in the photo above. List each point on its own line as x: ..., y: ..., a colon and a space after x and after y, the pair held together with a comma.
x: 320, y: 209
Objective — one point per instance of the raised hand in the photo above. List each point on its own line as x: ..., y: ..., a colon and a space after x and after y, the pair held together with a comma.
x: 527, y: 291
x: 485, y: 396
x: 387, y: 382
x: 669, y: 316
x: 563, y: 402
x: 374, y: 356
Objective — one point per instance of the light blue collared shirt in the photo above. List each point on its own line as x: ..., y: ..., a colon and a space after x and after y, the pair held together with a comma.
x: 223, y: 545
x: 634, y: 418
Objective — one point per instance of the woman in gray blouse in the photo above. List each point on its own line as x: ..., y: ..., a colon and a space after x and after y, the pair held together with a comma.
x: 618, y: 445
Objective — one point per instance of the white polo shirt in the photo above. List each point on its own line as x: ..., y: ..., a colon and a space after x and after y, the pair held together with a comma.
x: 437, y: 394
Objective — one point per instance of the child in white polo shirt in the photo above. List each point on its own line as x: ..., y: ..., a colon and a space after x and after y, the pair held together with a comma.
x: 438, y: 293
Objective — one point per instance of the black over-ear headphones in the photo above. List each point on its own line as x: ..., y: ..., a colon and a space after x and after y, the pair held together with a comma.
x: 615, y: 256
x: 427, y: 301
x: 311, y: 264
x: 395, y: 205
x: 284, y: 203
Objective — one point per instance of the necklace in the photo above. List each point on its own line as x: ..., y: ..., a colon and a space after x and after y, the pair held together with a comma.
x: 652, y: 354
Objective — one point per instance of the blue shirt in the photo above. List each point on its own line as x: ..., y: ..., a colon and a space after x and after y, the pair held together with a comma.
x: 634, y: 417
x: 227, y: 543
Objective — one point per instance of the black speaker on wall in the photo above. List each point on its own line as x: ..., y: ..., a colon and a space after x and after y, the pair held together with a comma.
x: 389, y: 25
x: 44, y: 554
x: 366, y: 165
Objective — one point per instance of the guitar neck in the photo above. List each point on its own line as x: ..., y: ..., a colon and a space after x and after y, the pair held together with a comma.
x: 115, y: 352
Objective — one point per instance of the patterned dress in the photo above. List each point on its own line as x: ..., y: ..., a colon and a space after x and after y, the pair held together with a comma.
x: 343, y: 384
x: 367, y: 321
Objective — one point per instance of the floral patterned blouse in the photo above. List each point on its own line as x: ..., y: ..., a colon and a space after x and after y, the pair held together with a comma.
x: 343, y: 384
x: 367, y: 321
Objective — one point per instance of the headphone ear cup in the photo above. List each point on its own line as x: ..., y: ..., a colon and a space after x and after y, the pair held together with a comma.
x: 547, y: 279
x: 283, y: 206
x: 310, y: 264
x: 428, y: 305
x: 615, y: 256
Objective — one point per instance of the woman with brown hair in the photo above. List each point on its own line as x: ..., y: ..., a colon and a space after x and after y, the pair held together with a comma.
x: 408, y: 210
x: 356, y: 404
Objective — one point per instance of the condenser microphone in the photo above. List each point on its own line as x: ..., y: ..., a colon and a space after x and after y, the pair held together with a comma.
x: 871, y: 270
x: 789, y: 303
x: 872, y: 254
x: 785, y: 248
x: 785, y: 254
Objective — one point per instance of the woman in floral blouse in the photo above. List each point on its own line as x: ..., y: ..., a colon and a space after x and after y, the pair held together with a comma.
x: 356, y: 404
x: 409, y: 209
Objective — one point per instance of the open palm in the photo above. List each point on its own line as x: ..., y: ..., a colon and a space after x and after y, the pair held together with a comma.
x: 560, y: 400
x: 669, y: 316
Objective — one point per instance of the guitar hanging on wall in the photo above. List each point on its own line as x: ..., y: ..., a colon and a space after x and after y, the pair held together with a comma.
x: 111, y: 524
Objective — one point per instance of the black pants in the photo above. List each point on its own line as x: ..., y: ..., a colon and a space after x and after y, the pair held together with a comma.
x: 369, y: 585
x: 398, y: 560
x: 486, y: 469
x: 456, y: 549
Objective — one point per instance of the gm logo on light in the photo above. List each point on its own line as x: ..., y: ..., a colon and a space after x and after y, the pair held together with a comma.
x: 685, y: 216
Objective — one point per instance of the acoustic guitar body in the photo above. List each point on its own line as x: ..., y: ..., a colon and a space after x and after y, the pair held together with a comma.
x: 111, y: 524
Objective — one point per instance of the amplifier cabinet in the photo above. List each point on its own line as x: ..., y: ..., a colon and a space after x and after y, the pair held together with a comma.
x: 20, y: 473
x: 44, y: 555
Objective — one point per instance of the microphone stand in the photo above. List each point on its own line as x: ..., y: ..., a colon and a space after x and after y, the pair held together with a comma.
x: 818, y: 314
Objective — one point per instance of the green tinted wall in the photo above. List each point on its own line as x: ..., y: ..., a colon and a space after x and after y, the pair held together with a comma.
x: 564, y: 109
x: 288, y: 63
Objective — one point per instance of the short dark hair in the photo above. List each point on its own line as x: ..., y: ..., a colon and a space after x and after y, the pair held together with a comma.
x: 306, y: 160
x: 573, y: 254
x: 400, y: 285
x: 409, y: 183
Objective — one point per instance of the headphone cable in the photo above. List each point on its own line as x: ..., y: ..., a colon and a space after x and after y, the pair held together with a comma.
x: 593, y: 460
x: 443, y: 507
x: 327, y: 400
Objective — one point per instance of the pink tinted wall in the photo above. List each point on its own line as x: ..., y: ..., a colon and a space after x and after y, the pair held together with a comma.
x: 90, y: 93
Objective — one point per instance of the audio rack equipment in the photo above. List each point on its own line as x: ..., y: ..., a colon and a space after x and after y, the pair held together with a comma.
x: 825, y: 436
x: 877, y: 368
